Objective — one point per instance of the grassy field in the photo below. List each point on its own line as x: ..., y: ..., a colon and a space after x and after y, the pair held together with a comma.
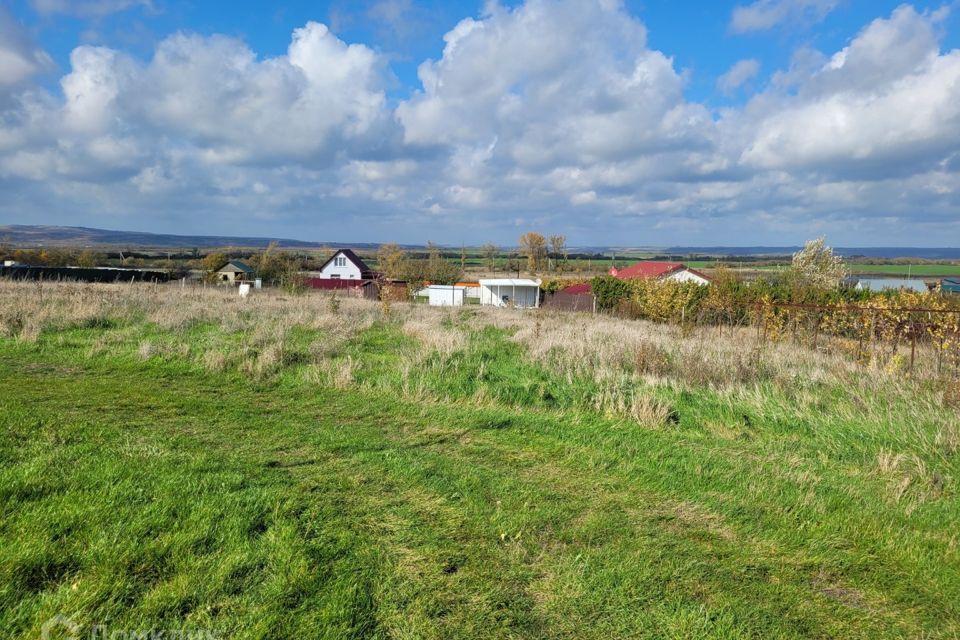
x: 307, y: 467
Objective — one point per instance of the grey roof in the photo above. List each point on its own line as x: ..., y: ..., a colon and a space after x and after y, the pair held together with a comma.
x: 881, y: 284
x: 235, y: 266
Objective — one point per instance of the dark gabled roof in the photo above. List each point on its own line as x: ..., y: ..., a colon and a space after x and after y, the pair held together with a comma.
x: 351, y: 256
x: 235, y: 266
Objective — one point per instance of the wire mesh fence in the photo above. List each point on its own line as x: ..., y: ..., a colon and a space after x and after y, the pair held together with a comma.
x: 896, y: 337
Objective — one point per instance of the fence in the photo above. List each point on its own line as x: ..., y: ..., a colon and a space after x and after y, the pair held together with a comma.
x: 569, y: 301
x: 896, y: 337
x: 82, y: 274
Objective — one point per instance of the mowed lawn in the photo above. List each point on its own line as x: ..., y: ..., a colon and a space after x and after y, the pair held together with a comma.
x: 145, y: 493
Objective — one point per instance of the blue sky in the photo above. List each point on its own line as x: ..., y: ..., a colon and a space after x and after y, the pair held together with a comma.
x: 633, y: 123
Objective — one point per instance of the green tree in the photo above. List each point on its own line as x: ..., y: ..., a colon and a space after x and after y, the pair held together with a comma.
x: 392, y: 261
x: 214, y: 261
x: 435, y: 268
x: 89, y: 258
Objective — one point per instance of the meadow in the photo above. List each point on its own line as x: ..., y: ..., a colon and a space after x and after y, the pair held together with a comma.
x: 310, y: 466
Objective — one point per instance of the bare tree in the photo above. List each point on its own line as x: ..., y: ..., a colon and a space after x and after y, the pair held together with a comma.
x: 490, y: 252
x: 558, y: 247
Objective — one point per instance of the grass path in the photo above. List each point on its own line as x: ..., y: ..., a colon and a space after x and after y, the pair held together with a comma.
x: 145, y: 496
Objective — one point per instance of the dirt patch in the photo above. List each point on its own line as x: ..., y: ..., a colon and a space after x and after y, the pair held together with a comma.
x: 830, y: 587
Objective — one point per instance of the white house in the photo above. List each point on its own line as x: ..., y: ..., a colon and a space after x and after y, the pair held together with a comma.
x: 510, y: 292
x: 653, y: 270
x: 344, y: 265
x: 444, y: 295
x: 688, y: 275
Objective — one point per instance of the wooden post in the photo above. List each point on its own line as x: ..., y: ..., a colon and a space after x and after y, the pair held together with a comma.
x: 913, y: 344
x: 816, y: 331
x: 860, y: 344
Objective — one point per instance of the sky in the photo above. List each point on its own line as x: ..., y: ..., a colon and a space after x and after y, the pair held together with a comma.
x: 615, y: 123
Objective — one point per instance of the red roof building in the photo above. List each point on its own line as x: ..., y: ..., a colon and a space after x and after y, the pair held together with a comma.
x: 646, y: 270
x: 577, y: 289
x: 651, y: 270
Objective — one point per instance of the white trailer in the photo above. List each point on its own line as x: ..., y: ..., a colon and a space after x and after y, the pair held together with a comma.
x: 510, y: 292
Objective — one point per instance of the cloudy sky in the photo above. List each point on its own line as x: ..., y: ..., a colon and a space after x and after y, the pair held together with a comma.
x: 616, y: 123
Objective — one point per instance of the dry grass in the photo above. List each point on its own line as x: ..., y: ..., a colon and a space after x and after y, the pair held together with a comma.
x: 257, y: 336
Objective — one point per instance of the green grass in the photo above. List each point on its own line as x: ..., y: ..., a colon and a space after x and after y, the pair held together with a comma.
x: 142, y: 492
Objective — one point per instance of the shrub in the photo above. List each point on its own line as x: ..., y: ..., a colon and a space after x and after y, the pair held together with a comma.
x: 609, y: 291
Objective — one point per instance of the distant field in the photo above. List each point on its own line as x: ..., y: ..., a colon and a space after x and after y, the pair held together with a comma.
x: 945, y: 269
x: 312, y: 467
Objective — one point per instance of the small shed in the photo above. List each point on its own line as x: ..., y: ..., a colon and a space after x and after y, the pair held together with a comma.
x: 576, y: 297
x: 235, y: 271
x: 510, y: 292
x: 472, y: 290
x: 444, y: 295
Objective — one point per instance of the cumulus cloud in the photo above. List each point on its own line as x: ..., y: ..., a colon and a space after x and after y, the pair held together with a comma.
x: 741, y: 72
x: 20, y: 58
x: 553, y: 113
x: 889, y: 103
x: 214, y: 92
x: 762, y: 15
x: 556, y: 97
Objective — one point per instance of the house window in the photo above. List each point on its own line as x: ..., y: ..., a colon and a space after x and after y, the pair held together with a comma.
x: 334, y: 276
x: 340, y: 261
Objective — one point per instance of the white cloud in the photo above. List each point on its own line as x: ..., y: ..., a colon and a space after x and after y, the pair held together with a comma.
x: 889, y: 103
x: 741, y: 72
x: 19, y: 57
x: 556, y: 85
x: 762, y: 15
x: 554, y: 113
x: 214, y: 92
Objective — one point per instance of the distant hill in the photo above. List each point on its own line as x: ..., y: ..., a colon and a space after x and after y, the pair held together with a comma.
x: 52, y: 236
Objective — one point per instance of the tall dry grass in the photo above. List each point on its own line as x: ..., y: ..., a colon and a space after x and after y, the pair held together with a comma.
x: 257, y: 336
